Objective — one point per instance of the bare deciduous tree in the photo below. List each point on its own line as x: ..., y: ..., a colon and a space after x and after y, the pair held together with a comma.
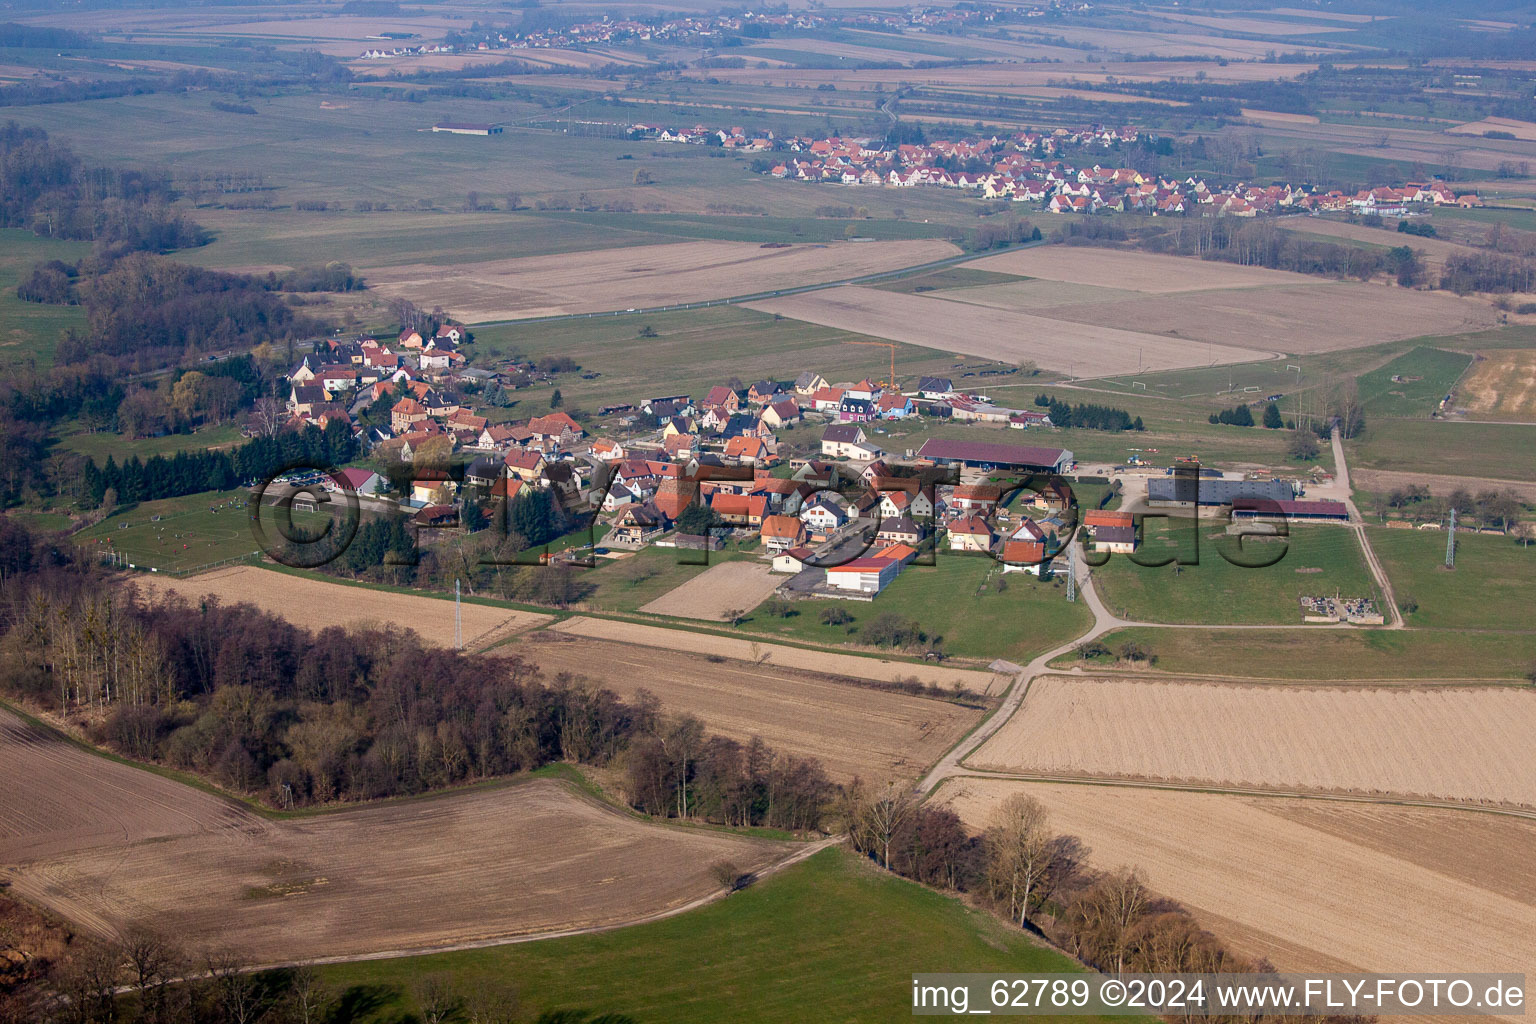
x: 1019, y: 847
x: 436, y: 1000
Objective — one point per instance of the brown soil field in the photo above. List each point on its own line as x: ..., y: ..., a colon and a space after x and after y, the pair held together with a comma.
x: 1302, y: 12
x: 716, y: 590
x: 1445, y: 743
x: 932, y: 322
x: 1303, y: 319
x: 641, y: 276
x: 1278, y: 117
x: 1384, y: 480
x: 1173, y: 43
x: 782, y: 655
x: 852, y: 730
x: 1406, y: 144
x: 413, y: 875
x: 1250, y: 26
x: 991, y: 77
x: 1136, y: 271
x: 315, y: 604
x: 1313, y: 884
x: 1522, y: 130
x: 1502, y: 385
x: 1435, y: 250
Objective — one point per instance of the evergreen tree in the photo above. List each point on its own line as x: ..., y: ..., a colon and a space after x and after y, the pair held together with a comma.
x: 1272, y: 418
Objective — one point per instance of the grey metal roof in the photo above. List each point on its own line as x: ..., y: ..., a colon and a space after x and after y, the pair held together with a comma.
x: 1215, y: 492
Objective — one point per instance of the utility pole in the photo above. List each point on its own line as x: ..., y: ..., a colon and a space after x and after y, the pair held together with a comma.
x: 1450, y: 541
x: 1071, y: 575
x: 458, y: 618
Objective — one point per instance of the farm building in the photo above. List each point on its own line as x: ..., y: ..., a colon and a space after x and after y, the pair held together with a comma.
x: 990, y: 455
x: 466, y: 128
x: 1318, y: 511
x: 1188, y: 491
x: 864, y: 575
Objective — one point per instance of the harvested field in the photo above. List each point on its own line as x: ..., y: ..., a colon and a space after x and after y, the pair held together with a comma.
x: 1136, y: 271
x: 851, y: 729
x: 717, y: 590
x: 1525, y: 131
x: 1446, y: 743
x: 990, y: 77
x: 1302, y: 319
x: 1278, y: 117
x: 418, y: 874
x: 640, y: 276
x: 1501, y: 385
x: 932, y: 322
x: 1310, y: 883
x: 315, y: 604
x: 1383, y: 481
x: 781, y: 655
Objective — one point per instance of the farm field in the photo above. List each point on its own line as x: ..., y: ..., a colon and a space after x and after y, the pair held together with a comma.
x: 852, y: 730
x: 1501, y: 386
x: 411, y: 875
x: 1324, y: 655
x: 1135, y: 271
x: 1434, y: 250
x: 1441, y: 743
x: 853, y: 934
x: 693, y: 351
x: 1317, y: 561
x: 716, y: 591
x: 746, y: 649
x: 927, y: 320
x: 1383, y: 481
x: 965, y: 599
x: 316, y: 604
x: 1311, y: 884
x: 1492, y: 587
x: 642, y: 276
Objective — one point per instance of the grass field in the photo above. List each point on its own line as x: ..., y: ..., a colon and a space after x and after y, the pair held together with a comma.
x: 957, y: 598
x: 1439, y: 370
x: 1492, y: 587
x: 103, y: 444
x: 30, y: 330
x: 190, y: 531
x: 853, y: 934
x: 1332, y: 654
x: 1318, y: 561
x: 693, y: 351
x: 1500, y: 451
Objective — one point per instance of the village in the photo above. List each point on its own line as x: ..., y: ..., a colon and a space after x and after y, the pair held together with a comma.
x: 840, y: 517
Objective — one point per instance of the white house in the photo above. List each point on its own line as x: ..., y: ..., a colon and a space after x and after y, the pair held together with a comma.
x: 824, y: 515
x: 842, y: 440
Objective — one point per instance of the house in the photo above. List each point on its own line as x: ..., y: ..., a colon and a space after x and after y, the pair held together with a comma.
x: 1024, y: 556
x: 434, y: 490
x: 792, y: 560
x: 1096, y: 518
x: 897, y: 501
x: 855, y: 410
x: 971, y: 533
x: 618, y: 496
x: 303, y: 398
x: 410, y: 338
x: 360, y: 481
x: 525, y: 465
x: 722, y: 397
x: 436, y: 515
x: 824, y: 515
x: 935, y: 388
x: 975, y: 497
x: 1118, y: 539
x: 1055, y: 496
x: 740, y: 509
x: 764, y: 392
x: 901, y: 530
x: 781, y: 413
x: 507, y: 488
x: 840, y: 440
x: 893, y: 406
x: 636, y: 524
x: 780, y: 533
x: 864, y: 575
x: 606, y: 450
x: 557, y: 427
x: 483, y: 472
x: 809, y: 382
x: 747, y: 451
x: 826, y: 399
x: 406, y: 413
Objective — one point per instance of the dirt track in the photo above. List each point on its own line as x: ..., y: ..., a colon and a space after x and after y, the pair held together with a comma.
x: 454, y: 868
x: 315, y: 604
x: 1445, y: 743
x: 641, y: 276
x: 1312, y: 884
x: 850, y: 729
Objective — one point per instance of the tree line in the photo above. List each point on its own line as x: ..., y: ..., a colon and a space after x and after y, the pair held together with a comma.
x: 1087, y: 416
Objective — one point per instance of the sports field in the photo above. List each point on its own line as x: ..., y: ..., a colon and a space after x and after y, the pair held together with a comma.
x: 1442, y: 743
x: 181, y: 533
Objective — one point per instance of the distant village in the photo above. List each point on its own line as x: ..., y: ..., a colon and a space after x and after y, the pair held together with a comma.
x: 839, y: 515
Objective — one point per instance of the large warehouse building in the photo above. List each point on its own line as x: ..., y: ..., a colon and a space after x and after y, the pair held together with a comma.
x: 1209, y: 496
x: 988, y: 455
